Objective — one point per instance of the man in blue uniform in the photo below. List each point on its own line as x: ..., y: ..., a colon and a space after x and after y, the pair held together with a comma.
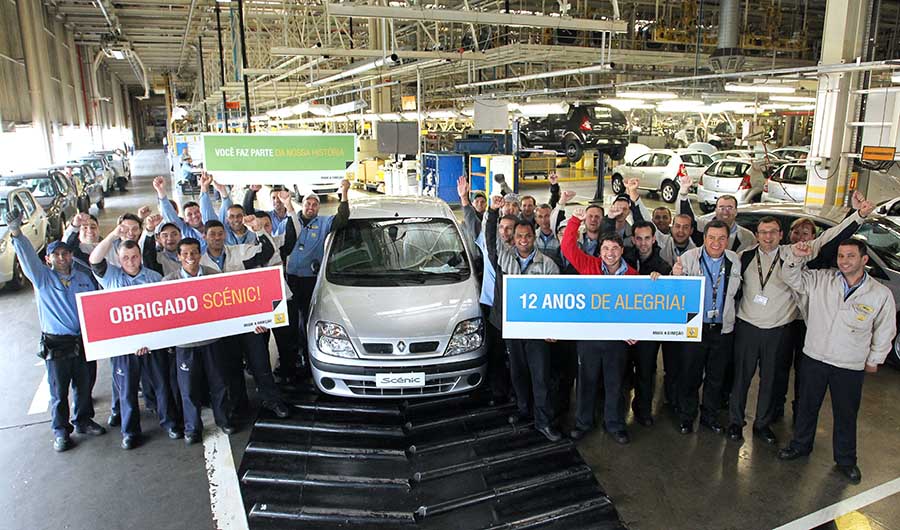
x: 61, y: 348
x: 128, y: 369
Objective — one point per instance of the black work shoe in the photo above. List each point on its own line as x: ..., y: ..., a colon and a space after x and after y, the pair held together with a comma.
x: 278, y: 407
x: 646, y: 421
x: 191, y: 438
x: 229, y: 428
x: 175, y: 434
x: 790, y: 453
x: 851, y: 473
x: 735, y: 432
x: 577, y: 434
x: 91, y: 427
x: 766, y: 435
x: 129, y: 442
x: 686, y: 427
x: 114, y: 420
x: 62, y: 443
x: 621, y: 437
x: 550, y: 433
x: 712, y: 425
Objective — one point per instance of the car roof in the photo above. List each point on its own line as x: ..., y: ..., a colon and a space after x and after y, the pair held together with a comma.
x: 389, y: 206
x: 831, y: 214
x: 35, y: 174
x: 684, y: 151
x: 793, y: 148
x: 6, y: 190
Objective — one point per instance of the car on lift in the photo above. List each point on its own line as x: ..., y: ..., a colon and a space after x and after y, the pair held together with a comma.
x: 600, y: 127
x: 53, y: 191
x: 34, y: 227
x: 880, y: 233
x: 89, y: 189
x: 395, y: 311
x: 787, y: 184
x: 105, y: 172
x: 659, y: 171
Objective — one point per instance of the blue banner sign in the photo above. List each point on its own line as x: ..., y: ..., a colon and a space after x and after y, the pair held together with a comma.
x: 603, y: 308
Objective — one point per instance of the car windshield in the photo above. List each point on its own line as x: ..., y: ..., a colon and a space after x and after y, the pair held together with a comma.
x: 39, y: 186
x: 393, y: 252
x: 96, y: 164
x: 792, y: 175
x: 884, y: 238
x: 3, y: 209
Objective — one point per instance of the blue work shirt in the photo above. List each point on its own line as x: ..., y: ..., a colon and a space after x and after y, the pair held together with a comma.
x: 310, y: 246
x: 115, y: 277
x: 55, y: 293
x: 490, y: 275
x: 623, y: 268
x: 526, y: 261
x: 171, y: 216
x: 208, y: 211
x: 850, y: 290
x: 279, y: 224
x: 714, y: 273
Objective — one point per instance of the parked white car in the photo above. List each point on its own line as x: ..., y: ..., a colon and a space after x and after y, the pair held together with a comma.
x: 791, y: 153
x: 787, y: 184
x: 660, y: 169
x: 740, y: 177
x: 102, y: 169
x: 34, y: 227
x: 395, y: 313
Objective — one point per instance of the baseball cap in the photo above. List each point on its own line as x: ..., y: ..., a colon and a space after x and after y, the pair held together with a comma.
x: 311, y: 195
x: 163, y: 226
x: 56, y: 245
x: 511, y: 197
x: 625, y: 198
x: 478, y: 193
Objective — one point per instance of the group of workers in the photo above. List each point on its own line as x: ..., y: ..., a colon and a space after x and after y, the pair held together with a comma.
x: 147, y: 248
x: 768, y: 307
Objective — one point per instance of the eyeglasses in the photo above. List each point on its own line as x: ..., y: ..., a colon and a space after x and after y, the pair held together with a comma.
x: 725, y: 208
x: 768, y: 232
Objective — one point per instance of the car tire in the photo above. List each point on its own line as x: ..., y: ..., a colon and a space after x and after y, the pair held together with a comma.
x: 101, y: 204
x: 705, y: 208
x: 668, y: 191
x: 618, y: 184
x: 617, y: 154
x: 893, y: 359
x: 573, y: 149
x: 18, y: 277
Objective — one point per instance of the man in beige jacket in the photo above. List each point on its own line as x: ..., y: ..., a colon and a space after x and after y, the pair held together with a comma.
x: 851, y: 325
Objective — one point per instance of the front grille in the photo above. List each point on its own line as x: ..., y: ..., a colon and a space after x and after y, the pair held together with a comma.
x: 423, y: 347
x: 374, y: 347
x: 382, y: 348
x: 433, y: 387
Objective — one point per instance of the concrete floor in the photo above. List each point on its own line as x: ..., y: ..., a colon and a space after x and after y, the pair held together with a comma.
x: 662, y: 480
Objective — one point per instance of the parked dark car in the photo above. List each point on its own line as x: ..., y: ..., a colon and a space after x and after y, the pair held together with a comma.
x: 87, y: 184
x: 600, y: 127
x: 881, y: 234
x: 53, y: 191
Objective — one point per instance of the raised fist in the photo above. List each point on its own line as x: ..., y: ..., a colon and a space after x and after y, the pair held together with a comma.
x: 567, y: 196
x: 13, y: 220
x: 80, y: 219
x: 159, y: 184
x: 686, y: 183
x: 152, y: 221
x: 255, y: 187
x: 579, y: 213
x: 801, y: 249
x: 345, y: 186
x: 496, y: 202
x: 678, y: 268
x: 143, y: 212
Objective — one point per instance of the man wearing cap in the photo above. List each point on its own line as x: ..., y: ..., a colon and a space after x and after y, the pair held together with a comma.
x: 231, y: 215
x: 161, y: 239
x: 281, y: 199
x: 82, y: 235
x: 128, y: 369
x: 546, y: 240
x: 473, y: 210
x: 305, y: 258
x: 617, y: 219
x: 55, y: 288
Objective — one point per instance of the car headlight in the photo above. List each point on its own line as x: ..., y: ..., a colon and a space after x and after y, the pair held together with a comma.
x: 468, y: 336
x: 333, y: 340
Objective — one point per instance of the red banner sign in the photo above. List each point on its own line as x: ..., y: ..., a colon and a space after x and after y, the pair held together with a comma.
x: 158, y: 315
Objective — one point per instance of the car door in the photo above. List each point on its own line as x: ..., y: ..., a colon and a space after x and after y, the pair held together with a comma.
x: 655, y: 171
x: 637, y: 167
x: 32, y: 225
x: 68, y: 201
x: 695, y: 164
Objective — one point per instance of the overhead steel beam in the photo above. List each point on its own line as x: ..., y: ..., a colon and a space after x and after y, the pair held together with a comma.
x: 476, y: 17
x: 359, y: 52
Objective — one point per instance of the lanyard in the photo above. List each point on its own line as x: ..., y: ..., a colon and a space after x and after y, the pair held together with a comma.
x: 763, y: 282
x: 715, y: 281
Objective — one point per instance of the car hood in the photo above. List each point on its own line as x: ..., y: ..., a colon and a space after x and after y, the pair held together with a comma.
x: 397, y: 312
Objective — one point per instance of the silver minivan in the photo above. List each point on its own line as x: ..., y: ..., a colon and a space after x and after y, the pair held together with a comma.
x: 395, y: 312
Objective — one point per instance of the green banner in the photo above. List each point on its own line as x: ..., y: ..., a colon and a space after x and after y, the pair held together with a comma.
x: 278, y: 152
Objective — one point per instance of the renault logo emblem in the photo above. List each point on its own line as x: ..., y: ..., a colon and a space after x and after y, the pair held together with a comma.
x: 401, y: 346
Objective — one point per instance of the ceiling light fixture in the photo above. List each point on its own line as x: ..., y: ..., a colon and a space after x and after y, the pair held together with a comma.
x: 793, y: 99
x: 759, y: 88
x: 637, y: 94
x: 390, y: 60
x: 542, y: 75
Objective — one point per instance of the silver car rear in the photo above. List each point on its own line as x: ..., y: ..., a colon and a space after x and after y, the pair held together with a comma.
x: 396, y: 312
x: 741, y: 178
x: 788, y: 184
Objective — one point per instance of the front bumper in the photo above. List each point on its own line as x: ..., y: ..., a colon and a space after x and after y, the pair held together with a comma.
x: 359, y: 381
x: 709, y: 197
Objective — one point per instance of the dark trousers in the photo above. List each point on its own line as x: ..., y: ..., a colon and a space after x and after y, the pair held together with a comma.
x: 846, y: 393
x: 254, y: 348
x: 563, y: 367
x: 114, y: 408
x: 62, y: 373
x: 704, y: 363
x: 287, y: 339
x: 128, y: 371
x: 671, y: 353
x: 529, y: 365
x: 196, y: 365
x: 498, y: 374
x: 177, y: 406
x: 790, y: 355
x: 754, y: 347
x: 596, y: 357
x: 642, y: 367
x: 302, y: 287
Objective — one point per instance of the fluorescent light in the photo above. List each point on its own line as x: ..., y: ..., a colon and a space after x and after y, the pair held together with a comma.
x: 320, y: 110
x: 541, y: 75
x: 729, y: 106
x: 803, y: 107
x: 300, y: 108
x: 626, y: 104
x: 442, y: 114
x: 637, y: 94
x: 793, y: 99
x: 540, y: 109
x: 352, y: 106
x: 390, y: 60
x: 681, y: 105
x: 764, y: 88
x: 117, y: 54
x: 389, y: 116
x: 895, y: 77
x: 775, y: 106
